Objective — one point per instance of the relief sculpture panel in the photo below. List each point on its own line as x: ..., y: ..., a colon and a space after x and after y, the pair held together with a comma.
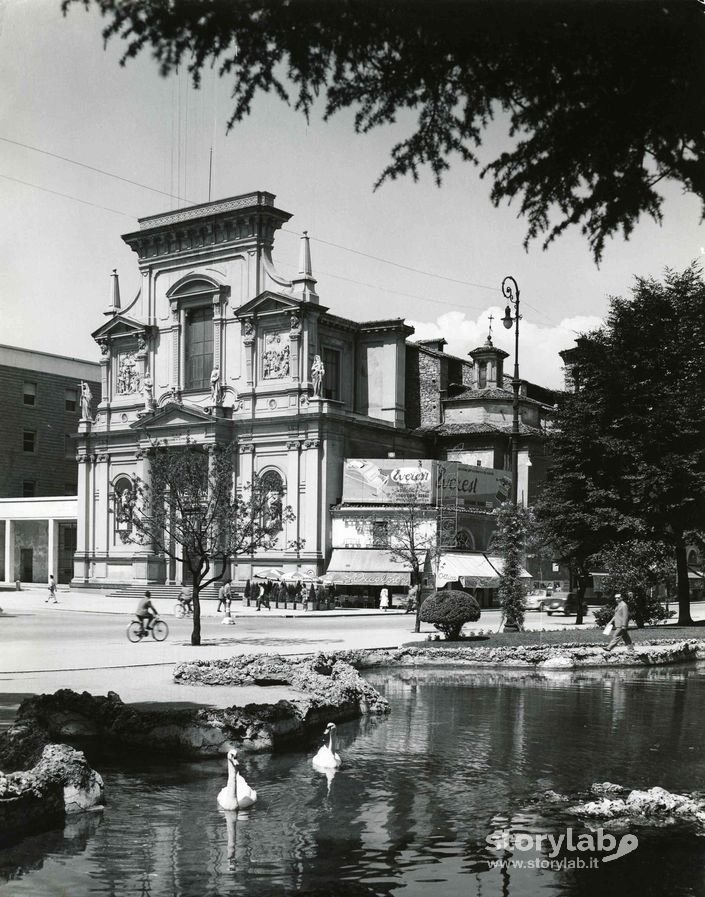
x: 275, y: 363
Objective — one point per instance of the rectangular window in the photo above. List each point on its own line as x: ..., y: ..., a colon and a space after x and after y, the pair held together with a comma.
x: 199, y: 348
x: 380, y: 534
x: 29, y: 395
x: 331, y: 376
x: 28, y: 488
x: 71, y: 399
x: 29, y: 441
x: 482, y: 375
x: 69, y: 450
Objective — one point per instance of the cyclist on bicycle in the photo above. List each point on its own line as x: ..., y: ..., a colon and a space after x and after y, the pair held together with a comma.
x: 185, y: 599
x: 146, y: 612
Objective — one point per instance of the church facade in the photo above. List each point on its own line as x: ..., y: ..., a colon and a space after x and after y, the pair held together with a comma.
x: 218, y: 348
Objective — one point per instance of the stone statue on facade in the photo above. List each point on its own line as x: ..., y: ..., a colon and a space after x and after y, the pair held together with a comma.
x: 317, y: 374
x: 215, y: 386
x: 86, y: 399
x: 147, y: 391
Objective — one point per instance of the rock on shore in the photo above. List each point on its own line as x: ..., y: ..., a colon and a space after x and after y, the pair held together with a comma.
x: 654, y: 804
x: 60, y: 783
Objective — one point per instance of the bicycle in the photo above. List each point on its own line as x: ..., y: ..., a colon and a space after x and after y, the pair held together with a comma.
x: 181, y: 609
x: 158, y: 630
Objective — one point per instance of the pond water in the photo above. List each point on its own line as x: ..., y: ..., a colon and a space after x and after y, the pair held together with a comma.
x: 461, y: 758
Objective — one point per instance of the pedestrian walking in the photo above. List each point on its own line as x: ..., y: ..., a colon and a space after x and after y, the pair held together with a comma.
x: 620, y: 621
x: 52, y: 590
x: 384, y: 598
x: 225, y: 596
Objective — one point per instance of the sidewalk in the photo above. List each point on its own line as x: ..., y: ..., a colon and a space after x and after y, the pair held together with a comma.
x: 98, y: 602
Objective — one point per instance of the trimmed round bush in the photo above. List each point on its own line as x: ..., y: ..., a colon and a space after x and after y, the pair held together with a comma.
x: 449, y: 610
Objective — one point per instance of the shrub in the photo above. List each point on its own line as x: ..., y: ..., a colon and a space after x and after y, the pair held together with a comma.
x: 644, y: 610
x: 449, y: 610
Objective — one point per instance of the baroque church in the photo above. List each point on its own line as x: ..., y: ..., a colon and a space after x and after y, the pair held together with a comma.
x: 218, y: 348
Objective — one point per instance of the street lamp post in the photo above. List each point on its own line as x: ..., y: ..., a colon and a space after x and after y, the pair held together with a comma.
x: 510, y: 291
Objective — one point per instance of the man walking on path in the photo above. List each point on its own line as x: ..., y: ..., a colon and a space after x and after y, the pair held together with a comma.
x: 224, y: 597
x: 52, y: 590
x: 620, y: 620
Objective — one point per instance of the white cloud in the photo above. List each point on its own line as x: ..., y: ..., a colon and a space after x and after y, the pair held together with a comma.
x: 539, y: 346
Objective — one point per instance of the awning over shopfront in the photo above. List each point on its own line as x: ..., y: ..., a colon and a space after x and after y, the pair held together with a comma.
x: 473, y: 570
x: 367, y: 567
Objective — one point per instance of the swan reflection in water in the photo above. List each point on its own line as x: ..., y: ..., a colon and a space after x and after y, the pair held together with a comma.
x: 232, y: 818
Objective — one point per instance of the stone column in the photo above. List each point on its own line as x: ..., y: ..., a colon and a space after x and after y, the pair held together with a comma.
x: 295, y: 348
x: 292, y: 499
x: 9, y: 551
x: 180, y: 382
x: 247, y: 464
x: 312, y: 512
x: 249, y: 335
x: 81, y: 562
x: 105, y: 378
x: 52, y: 548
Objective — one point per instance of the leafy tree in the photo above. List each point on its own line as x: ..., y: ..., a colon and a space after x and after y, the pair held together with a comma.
x: 188, y: 510
x: 603, y: 101
x: 413, y: 535
x: 449, y: 610
x: 635, y: 569
x: 577, y: 512
x: 629, y: 454
x: 514, y: 525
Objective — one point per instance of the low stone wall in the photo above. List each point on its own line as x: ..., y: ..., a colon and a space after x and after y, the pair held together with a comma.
x: 531, y: 657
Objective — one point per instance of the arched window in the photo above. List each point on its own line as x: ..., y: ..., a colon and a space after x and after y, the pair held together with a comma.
x: 196, y: 302
x: 272, y: 486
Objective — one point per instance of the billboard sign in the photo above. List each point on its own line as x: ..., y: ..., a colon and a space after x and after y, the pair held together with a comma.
x: 470, y: 486
x: 389, y: 481
x: 397, y: 481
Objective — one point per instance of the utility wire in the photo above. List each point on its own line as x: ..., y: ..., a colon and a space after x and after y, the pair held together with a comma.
x: 66, y: 196
x: 469, y: 283
x: 109, y: 174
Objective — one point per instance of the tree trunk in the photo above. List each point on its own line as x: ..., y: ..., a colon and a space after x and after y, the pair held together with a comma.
x: 196, y: 631
x: 416, y: 579
x: 684, y: 618
x: 581, y: 582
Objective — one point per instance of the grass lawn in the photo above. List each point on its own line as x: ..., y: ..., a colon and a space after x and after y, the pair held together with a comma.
x: 587, y: 635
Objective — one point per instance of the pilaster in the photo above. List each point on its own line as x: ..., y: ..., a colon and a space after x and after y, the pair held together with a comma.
x: 9, y: 551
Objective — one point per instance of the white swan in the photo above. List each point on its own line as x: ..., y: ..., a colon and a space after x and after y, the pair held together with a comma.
x: 327, y: 758
x: 237, y: 794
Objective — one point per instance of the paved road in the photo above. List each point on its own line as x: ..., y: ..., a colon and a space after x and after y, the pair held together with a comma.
x: 81, y: 644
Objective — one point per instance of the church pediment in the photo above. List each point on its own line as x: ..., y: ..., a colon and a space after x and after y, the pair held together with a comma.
x: 271, y: 303
x: 174, y: 415
x: 120, y: 326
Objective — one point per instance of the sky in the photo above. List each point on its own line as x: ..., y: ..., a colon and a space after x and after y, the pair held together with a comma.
x: 135, y: 144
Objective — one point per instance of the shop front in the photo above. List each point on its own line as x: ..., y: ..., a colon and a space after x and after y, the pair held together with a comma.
x: 358, y: 576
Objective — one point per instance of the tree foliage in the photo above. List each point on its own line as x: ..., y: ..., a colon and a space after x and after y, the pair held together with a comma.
x: 187, y: 509
x: 635, y: 569
x: 449, y: 610
x: 628, y: 450
x: 602, y: 100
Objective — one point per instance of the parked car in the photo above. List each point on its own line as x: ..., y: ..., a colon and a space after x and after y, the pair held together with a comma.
x: 565, y: 603
x: 537, y: 599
